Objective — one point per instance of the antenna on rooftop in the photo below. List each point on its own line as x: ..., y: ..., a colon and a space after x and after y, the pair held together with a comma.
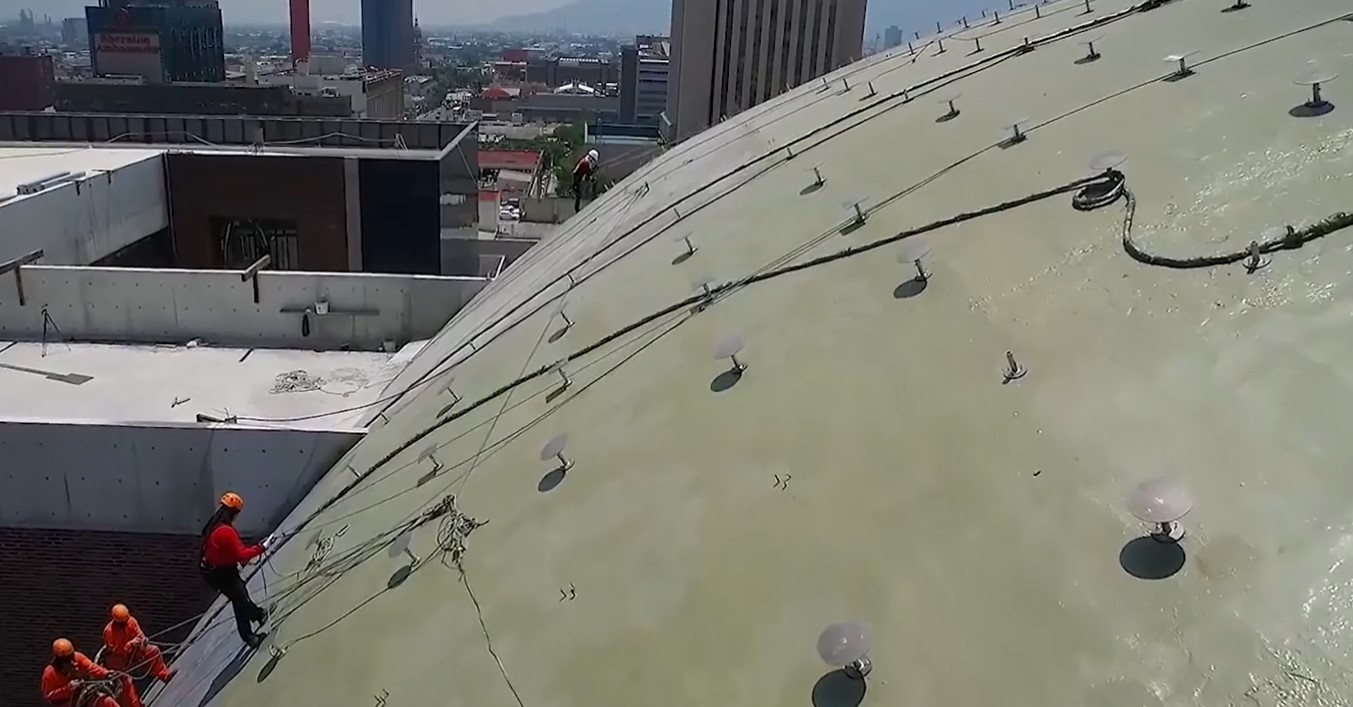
x: 400, y: 546
x: 1091, y: 53
x: 1162, y: 502
x: 847, y: 645
x: 1182, y: 60
x: 1013, y: 370
x: 1107, y: 161
x: 728, y: 348
x: 913, y: 252
x: 554, y: 449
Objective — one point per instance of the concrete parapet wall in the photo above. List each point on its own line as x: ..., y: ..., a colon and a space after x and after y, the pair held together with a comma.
x: 217, y: 306
x: 552, y: 209
x: 157, y: 478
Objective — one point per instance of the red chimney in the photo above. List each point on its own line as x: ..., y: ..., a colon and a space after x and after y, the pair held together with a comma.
x: 300, y: 30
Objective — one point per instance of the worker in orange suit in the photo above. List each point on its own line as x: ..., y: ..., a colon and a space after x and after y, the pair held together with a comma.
x: 127, y: 649
x: 63, y: 680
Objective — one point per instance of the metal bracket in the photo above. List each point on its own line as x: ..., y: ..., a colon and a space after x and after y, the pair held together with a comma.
x: 251, y: 273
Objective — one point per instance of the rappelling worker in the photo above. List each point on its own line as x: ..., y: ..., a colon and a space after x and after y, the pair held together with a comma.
x: 585, y: 172
x: 222, y: 554
x: 127, y: 649
x: 64, y: 678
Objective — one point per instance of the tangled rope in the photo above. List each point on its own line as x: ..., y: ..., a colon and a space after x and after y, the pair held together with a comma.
x: 298, y: 381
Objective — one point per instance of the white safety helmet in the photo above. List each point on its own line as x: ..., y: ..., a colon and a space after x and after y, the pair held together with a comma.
x: 593, y: 155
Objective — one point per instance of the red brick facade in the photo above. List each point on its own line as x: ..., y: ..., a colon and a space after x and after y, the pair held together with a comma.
x: 62, y: 582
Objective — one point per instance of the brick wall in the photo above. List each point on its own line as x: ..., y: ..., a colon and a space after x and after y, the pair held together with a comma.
x: 62, y: 582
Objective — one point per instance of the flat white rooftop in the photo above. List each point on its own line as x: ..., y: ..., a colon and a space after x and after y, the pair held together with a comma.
x: 22, y: 164
x: 277, y: 149
x: 152, y: 384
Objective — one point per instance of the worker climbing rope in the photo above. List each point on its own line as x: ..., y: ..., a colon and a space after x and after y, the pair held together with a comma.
x: 222, y: 554
x: 585, y: 172
x: 126, y: 647
x: 73, y: 680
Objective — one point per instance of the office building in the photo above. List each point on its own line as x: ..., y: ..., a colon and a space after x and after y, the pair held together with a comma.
x: 388, y: 34
x: 729, y: 55
x: 74, y: 31
x: 160, y: 41
x: 644, y: 69
x: 892, y: 37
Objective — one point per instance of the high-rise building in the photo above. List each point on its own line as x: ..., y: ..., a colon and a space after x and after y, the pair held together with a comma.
x: 387, y: 34
x: 27, y: 81
x: 644, y: 70
x: 892, y: 37
x: 158, y: 40
x: 729, y: 55
x: 74, y: 31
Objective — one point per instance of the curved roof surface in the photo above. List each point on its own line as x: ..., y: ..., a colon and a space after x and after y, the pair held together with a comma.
x: 870, y: 464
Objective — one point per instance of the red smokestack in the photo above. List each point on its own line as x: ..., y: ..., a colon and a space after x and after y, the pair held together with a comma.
x: 300, y: 30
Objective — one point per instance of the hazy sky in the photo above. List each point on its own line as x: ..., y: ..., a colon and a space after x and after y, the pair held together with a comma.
x: 907, y: 13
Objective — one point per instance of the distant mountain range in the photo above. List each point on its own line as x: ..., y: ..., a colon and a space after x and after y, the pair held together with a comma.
x: 613, y: 17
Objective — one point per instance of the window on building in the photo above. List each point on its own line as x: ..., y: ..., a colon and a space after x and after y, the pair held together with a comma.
x: 242, y: 241
x: 801, y: 46
x: 739, y: 98
x: 815, y: 62
x: 769, y: 81
x: 829, y: 60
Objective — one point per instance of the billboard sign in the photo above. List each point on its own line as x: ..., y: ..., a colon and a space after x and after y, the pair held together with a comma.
x: 136, y: 53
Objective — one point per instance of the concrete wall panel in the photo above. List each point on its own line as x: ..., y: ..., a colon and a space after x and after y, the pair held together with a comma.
x: 77, y: 224
x: 157, y: 478
x: 175, y: 306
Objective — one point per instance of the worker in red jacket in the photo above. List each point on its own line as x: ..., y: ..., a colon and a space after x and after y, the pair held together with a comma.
x: 222, y: 554
x: 583, y: 173
x: 64, y: 678
x: 126, y: 648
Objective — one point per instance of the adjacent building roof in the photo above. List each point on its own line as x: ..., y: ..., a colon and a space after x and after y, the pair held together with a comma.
x: 528, y: 160
x: 872, y: 462
x: 21, y: 163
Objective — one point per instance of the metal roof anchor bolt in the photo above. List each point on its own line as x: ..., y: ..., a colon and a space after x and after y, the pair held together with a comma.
x: 1182, y: 60
x: 1162, y: 502
x: 690, y: 247
x: 789, y: 152
x: 846, y: 646
x: 911, y: 49
x: 940, y: 43
x: 454, y: 397
x: 1038, y: 11
x: 845, y: 85
x: 965, y: 23
x: 1236, y: 6
x: 400, y: 546
x: 728, y: 348
x: 1011, y: 3
x: 1091, y: 53
x: 953, y: 109
x: 997, y: 15
x: 554, y: 449
x: 1013, y: 370
x: 1256, y: 260
x: 872, y: 92
x: 858, y: 215
x: 564, y: 380
x: 818, y: 179
x: 977, y: 44
x: 1017, y: 134
x: 277, y: 653
x: 1088, y: 9
x: 568, y: 323
x: 1317, y: 105
x: 914, y: 253
x: 938, y: 28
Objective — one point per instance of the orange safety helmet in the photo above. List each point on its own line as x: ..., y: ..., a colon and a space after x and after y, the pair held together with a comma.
x: 120, y: 613
x: 62, y: 648
x: 232, y: 501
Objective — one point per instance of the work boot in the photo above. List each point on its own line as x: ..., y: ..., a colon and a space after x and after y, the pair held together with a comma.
x: 254, y: 640
x: 167, y: 675
x: 262, y: 616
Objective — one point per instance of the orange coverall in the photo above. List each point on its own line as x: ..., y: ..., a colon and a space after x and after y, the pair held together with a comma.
x: 123, y: 651
x: 56, y: 687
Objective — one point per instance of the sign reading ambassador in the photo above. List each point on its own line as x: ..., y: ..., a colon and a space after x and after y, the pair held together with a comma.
x: 129, y: 53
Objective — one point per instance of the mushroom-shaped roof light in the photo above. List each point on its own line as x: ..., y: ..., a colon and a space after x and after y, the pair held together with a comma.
x: 1160, y: 501
x: 1106, y: 161
x: 844, y: 643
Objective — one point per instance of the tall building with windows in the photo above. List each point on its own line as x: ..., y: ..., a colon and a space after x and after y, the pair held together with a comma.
x: 158, y: 40
x: 388, y: 40
x: 729, y: 55
x: 643, y: 80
